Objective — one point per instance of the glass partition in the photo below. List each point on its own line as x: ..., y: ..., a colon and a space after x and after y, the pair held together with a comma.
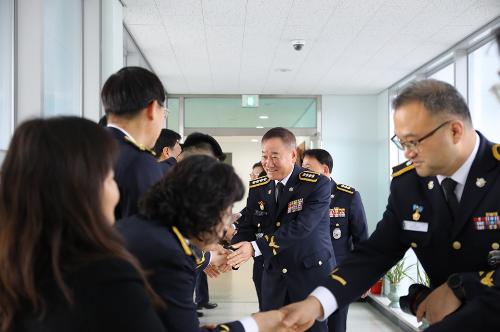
x: 6, y: 71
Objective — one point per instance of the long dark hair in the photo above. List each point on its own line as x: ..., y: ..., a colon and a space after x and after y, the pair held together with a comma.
x: 193, y: 196
x: 51, y: 218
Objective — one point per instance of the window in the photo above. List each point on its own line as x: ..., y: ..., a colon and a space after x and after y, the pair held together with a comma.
x: 221, y: 112
x: 6, y: 72
x: 173, y: 115
x: 62, y: 57
x: 446, y: 74
x: 485, y: 108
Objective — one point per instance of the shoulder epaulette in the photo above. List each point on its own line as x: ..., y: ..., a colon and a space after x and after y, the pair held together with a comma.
x: 139, y: 146
x: 182, y: 241
x: 259, y: 182
x: 496, y: 151
x: 309, y: 176
x: 346, y: 188
x: 402, y: 168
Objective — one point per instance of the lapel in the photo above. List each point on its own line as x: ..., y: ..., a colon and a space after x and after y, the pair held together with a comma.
x: 287, y: 194
x: 334, y: 192
x: 269, y: 197
x: 484, y: 166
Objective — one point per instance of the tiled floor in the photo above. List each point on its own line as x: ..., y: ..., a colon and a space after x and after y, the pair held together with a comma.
x: 235, y: 294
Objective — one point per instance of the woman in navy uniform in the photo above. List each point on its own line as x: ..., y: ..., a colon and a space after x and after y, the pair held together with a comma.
x: 64, y: 267
x: 347, y: 220
x: 191, y: 205
x: 444, y: 205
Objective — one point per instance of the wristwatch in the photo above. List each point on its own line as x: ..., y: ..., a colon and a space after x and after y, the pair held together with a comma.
x: 455, y: 282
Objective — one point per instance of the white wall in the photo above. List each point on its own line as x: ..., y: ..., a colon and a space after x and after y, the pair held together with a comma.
x: 245, y: 154
x: 355, y: 132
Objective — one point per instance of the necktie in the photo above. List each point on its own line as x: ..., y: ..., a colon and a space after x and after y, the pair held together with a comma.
x: 279, y: 190
x: 448, y: 186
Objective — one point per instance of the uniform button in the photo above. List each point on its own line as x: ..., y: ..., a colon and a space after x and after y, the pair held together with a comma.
x: 258, y: 225
x: 457, y: 245
x: 413, y: 245
x: 278, y: 224
x: 284, y: 270
x: 320, y: 263
x: 495, y: 246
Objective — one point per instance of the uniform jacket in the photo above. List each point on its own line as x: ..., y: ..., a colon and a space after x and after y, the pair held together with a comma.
x: 417, y: 216
x: 347, y: 220
x: 108, y: 295
x: 295, y: 241
x: 171, y: 265
x: 136, y: 170
x: 167, y: 164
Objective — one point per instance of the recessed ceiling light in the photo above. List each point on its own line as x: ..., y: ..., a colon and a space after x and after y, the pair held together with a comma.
x: 283, y: 70
x: 263, y: 117
x: 259, y: 127
x: 254, y: 140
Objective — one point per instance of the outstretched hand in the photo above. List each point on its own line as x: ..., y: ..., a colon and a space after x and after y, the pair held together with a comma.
x: 244, y: 250
x: 300, y: 316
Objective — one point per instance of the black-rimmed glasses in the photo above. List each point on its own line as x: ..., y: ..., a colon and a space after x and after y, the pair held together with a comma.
x: 412, y: 145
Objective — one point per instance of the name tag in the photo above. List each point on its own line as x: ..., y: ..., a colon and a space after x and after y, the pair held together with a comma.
x: 417, y: 226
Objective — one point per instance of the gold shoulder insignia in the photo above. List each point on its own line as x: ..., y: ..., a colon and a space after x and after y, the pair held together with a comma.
x: 182, y: 241
x: 338, y: 278
x: 224, y: 327
x: 309, y: 176
x: 496, y: 151
x: 402, y: 168
x: 139, y: 146
x: 259, y: 182
x: 345, y: 188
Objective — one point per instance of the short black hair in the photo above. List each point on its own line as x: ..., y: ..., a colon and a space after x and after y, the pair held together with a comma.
x: 204, y: 142
x: 258, y: 164
x: 322, y: 156
x: 130, y: 90
x: 167, y: 138
x: 193, y: 196
x: 282, y: 133
x: 436, y: 96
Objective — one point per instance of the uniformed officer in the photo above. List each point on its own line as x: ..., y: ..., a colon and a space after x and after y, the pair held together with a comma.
x: 167, y: 148
x: 133, y: 99
x: 347, y: 220
x: 291, y: 205
x: 444, y: 205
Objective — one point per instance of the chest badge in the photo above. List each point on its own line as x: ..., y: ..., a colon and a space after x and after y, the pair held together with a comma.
x: 337, y: 212
x: 295, y: 205
x: 337, y: 233
x: 430, y: 185
x: 269, y: 192
x: 480, y: 182
x: 416, y: 212
x: 290, y: 189
x: 261, y: 205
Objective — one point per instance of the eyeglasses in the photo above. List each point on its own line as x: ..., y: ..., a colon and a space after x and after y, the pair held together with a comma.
x: 412, y: 145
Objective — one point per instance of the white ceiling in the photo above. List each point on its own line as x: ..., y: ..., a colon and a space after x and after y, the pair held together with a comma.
x: 352, y: 46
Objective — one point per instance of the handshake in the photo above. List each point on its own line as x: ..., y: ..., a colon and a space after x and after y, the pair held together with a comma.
x: 296, y: 317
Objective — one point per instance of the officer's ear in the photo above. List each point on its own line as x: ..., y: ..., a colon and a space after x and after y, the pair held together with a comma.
x: 326, y: 170
x: 457, y: 129
x: 165, y: 152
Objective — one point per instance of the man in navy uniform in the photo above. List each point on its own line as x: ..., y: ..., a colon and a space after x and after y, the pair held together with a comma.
x: 291, y: 204
x: 133, y: 99
x: 167, y: 148
x: 347, y: 220
x: 444, y: 205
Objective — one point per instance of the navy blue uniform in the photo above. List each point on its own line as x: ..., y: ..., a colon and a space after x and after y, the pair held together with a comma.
x: 295, y: 242
x: 136, y: 170
x: 167, y: 164
x: 165, y: 253
x: 347, y: 228
x: 418, y: 217
x: 258, y: 262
